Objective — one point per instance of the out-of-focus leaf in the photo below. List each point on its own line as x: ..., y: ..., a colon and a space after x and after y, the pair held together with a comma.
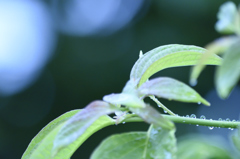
x: 36, y: 141
x: 165, y: 57
x: 130, y: 100
x: 216, y: 47
x: 157, y: 143
x: 236, y: 138
x: 171, y: 89
x: 152, y: 116
x: 196, y: 147
x: 228, y: 19
x: 227, y: 75
x: 76, y: 126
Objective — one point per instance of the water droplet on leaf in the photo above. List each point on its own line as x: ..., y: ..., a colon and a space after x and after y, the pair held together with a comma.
x: 202, y: 117
x: 210, y: 127
x: 193, y: 116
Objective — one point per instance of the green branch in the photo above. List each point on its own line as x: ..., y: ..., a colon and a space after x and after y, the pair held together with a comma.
x: 193, y: 121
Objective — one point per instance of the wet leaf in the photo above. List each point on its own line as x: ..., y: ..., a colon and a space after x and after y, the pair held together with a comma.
x: 157, y: 143
x: 171, y: 89
x: 165, y: 57
x: 152, y: 116
x: 227, y: 75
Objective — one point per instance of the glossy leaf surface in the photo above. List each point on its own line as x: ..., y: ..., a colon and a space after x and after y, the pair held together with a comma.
x: 227, y: 75
x: 157, y: 143
x: 171, y: 89
x: 165, y: 57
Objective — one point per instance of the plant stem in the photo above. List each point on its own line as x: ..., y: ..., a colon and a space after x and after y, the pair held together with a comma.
x: 161, y: 105
x: 193, y: 121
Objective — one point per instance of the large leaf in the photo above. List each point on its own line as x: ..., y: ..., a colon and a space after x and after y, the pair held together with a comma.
x: 197, y: 147
x: 228, y: 19
x: 167, y: 56
x: 152, y: 116
x: 227, y: 75
x: 42, y: 145
x: 36, y: 141
x: 157, y: 143
x: 76, y: 126
x: 171, y: 89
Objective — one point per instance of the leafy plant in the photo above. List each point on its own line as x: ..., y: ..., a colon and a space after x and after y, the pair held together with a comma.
x: 61, y: 137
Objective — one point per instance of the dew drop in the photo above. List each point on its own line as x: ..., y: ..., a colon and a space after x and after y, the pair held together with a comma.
x: 193, y: 116
x: 159, y: 106
x: 210, y: 127
x: 228, y: 120
x: 197, y: 125
x: 202, y: 117
x: 233, y: 120
x: 187, y: 116
x: 220, y: 119
x: 123, y: 122
x: 165, y: 111
x: 199, y: 103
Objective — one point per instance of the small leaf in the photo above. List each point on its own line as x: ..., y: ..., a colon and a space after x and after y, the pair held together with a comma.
x: 227, y: 75
x: 129, y: 100
x: 157, y: 143
x: 228, y: 18
x: 79, y: 123
x: 165, y: 57
x: 171, y: 89
x: 36, y: 141
x: 198, y: 147
x: 216, y: 47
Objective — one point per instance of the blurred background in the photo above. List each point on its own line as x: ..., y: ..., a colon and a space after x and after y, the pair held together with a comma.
x: 58, y: 55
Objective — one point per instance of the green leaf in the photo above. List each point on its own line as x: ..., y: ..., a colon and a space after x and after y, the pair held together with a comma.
x: 165, y: 57
x: 76, y: 126
x: 41, y: 146
x: 171, y: 89
x: 216, y: 47
x: 197, y: 147
x: 152, y: 116
x: 36, y: 141
x: 157, y: 143
x: 228, y: 19
x: 227, y: 75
